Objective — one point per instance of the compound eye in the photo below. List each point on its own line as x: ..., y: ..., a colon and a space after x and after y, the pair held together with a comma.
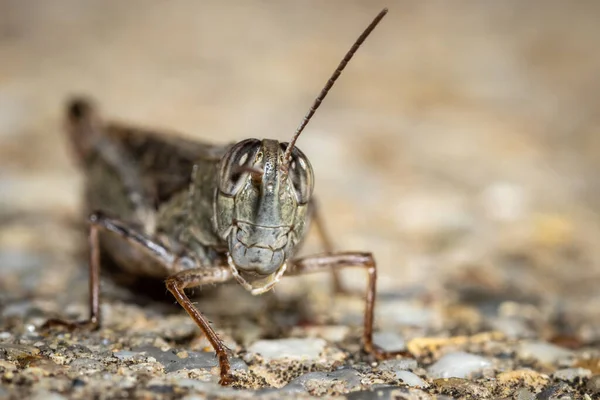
x: 301, y: 175
x: 232, y: 175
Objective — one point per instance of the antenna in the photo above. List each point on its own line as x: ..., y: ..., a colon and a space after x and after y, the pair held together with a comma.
x: 288, y: 151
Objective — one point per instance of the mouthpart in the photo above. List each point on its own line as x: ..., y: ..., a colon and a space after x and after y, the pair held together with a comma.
x: 258, y: 284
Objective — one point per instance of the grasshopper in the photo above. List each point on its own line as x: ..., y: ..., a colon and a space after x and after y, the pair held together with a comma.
x: 194, y: 213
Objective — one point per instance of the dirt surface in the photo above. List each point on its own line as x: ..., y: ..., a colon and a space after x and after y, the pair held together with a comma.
x: 461, y: 147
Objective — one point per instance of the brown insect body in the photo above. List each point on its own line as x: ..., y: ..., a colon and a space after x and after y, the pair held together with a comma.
x: 194, y: 213
x: 147, y: 180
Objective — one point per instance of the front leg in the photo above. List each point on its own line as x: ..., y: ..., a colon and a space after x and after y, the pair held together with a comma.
x: 197, y: 277
x: 176, y: 283
x: 336, y: 261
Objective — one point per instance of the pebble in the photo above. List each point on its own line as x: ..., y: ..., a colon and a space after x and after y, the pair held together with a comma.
x: 350, y: 377
x: 458, y: 365
x: 389, y: 341
x: 551, y: 392
x: 462, y: 388
x: 524, y: 394
x: 398, y: 364
x: 86, y: 365
x: 572, y: 374
x: 125, y: 355
x: 411, y: 379
x: 18, y: 351
x: 172, y: 362
x: 291, y: 348
x: 215, y: 390
x: 526, y: 377
x: 386, y: 393
x: 543, y: 352
x: 593, y: 384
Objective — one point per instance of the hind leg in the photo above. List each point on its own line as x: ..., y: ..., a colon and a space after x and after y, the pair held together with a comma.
x: 100, y: 222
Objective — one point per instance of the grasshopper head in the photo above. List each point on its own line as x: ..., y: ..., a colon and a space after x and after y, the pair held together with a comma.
x: 263, y: 197
x: 261, y: 209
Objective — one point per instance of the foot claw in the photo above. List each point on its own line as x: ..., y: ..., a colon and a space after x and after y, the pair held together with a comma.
x: 226, y: 379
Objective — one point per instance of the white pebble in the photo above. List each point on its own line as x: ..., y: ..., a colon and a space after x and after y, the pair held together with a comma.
x: 398, y: 364
x: 293, y: 348
x: 544, y: 352
x: 458, y: 365
x: 126, y: 355
x: 571, y: 374
x: 389, y: 341
x: 410, y: 379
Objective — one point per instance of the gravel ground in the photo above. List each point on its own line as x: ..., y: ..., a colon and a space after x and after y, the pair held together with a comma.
x: 460, y: 146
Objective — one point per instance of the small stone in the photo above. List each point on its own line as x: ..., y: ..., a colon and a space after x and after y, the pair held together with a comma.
x: 551, y: 392
x: 316, y: 381
x: 183, y: 354
x: 7, y: 366
x: 523, y: 377
x: 572, y: 374
x: 86, y: 365
x: 461, y: 388
x: 215, y: 390
x: 398, y: 364
x: 458, y: 365
x: 593, y: 384
x: 411, y: 379
x: 389, y: 341
x: 544, y: 352
x: 194, y: 360
x: 424, y: 345
x: 292, y: 348
x: 18, y: 351
x: 125, y: 355
x: 524, y: 394
x: 387, y: 393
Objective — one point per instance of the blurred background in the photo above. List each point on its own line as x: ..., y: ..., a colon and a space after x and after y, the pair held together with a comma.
x: 460, y: 145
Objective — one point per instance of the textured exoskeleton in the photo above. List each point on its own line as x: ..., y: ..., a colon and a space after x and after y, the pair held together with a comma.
x: 195, y: 213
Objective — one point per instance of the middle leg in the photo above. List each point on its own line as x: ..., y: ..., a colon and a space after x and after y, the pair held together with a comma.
x: 336, y: 261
